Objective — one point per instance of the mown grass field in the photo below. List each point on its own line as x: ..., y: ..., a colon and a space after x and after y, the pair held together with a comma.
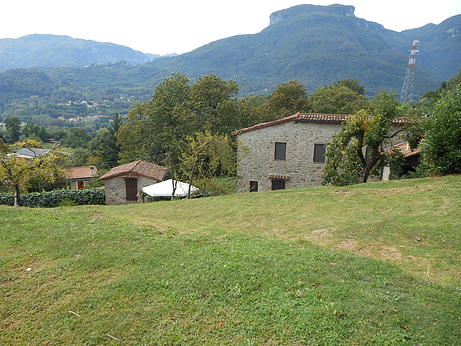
x: 368, y: 264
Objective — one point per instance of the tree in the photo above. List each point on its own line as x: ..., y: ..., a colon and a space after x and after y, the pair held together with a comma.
x: 33, y: 131
x: 337, y: 99
x: 76, y: 137
x: 352, y: 84
x: 360, y: 147
x: 16, y: 173
x: 104, y: 145
x: 287, y: 99
x: 441, y: 148
x: 213, y: 104
x: 208, y: 155
x: 13, y: 129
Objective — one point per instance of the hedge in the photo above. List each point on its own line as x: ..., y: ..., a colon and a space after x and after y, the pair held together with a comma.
x: 55, y: 198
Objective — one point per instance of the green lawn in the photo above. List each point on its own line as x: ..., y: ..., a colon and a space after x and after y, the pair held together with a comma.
x: 368, y: 264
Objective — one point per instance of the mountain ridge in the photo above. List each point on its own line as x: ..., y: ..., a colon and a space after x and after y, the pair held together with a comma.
x: 315, y: 45
x: 47, y: 50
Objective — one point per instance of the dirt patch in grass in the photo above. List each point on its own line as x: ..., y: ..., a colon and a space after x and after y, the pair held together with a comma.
x: 381, y: 251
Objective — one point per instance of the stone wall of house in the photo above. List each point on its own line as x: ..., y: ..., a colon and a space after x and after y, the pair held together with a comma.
x: 256, y: 157
x: 115, y: 189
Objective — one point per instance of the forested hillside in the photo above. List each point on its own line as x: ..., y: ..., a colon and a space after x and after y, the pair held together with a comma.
x: 315, y: 45
x: 54, y: 50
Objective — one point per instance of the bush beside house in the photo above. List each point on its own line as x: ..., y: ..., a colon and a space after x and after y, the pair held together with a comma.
x: 56, y: 198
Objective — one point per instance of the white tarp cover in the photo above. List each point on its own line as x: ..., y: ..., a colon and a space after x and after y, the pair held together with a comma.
x: 165, y: 188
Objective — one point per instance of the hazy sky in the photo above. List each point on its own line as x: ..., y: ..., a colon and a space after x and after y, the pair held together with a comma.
x: 167, y: 26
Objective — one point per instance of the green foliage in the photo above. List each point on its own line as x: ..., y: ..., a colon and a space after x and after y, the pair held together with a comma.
x: 216, y: 186
x: 287, y: 99
x: 76, y: 138
x: 42, y: 172
x: 206, y: 156
x: 104, y: 145
x: 13, y: 129
x: 343, y: 165
x: 337, y: 99
x: 158, y: 130
x: 56, y: 198
x: 441, y: 147
x: 359, y: 149
x: 352, y: 84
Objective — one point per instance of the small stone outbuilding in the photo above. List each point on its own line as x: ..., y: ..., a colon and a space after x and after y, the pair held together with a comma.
x: 123, y: 183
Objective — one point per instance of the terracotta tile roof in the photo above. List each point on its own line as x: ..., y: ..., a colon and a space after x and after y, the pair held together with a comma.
x: 137, y: 168
x: 313, y: 118
x: 278, y: 176
x: 85, y: 172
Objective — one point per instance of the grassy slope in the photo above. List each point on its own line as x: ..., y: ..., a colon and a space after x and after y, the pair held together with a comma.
x: 318, y: 266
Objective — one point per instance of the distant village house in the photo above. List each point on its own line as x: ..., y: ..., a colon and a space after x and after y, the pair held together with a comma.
x: 80, y: 176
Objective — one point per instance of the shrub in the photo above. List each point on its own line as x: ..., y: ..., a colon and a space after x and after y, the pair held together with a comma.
x: 56, y: 198
x: 442, y: 146
x: 216, y: 186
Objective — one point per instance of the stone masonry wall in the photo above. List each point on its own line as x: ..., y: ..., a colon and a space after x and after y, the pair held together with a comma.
x: 256, y: 158
x: 115, y: 189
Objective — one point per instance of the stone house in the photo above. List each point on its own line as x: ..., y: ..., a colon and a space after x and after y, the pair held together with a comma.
x: 80, y: 176
x: 287, y: 153
x: 123, y: 183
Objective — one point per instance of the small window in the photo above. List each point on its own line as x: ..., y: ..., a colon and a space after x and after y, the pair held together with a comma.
x: 278, y: 184
x: 253, y: 186
x: 280, y: 151
x: 319, y: 152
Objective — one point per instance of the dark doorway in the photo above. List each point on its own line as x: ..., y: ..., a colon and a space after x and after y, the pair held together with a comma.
x: 253, y: 186
x: 131, y: 185
x: 278, y: 184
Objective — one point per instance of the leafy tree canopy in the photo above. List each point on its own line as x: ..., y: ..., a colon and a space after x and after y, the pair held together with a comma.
x: 442, y: 144
x: 337, y: 99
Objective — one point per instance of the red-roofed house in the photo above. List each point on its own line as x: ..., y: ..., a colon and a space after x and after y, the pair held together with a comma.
x: 287, y: 153
x: 123, y: 183
x: 80, y: 176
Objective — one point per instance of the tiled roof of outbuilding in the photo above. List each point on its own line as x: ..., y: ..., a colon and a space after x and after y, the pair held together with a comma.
x: 137, y: 168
